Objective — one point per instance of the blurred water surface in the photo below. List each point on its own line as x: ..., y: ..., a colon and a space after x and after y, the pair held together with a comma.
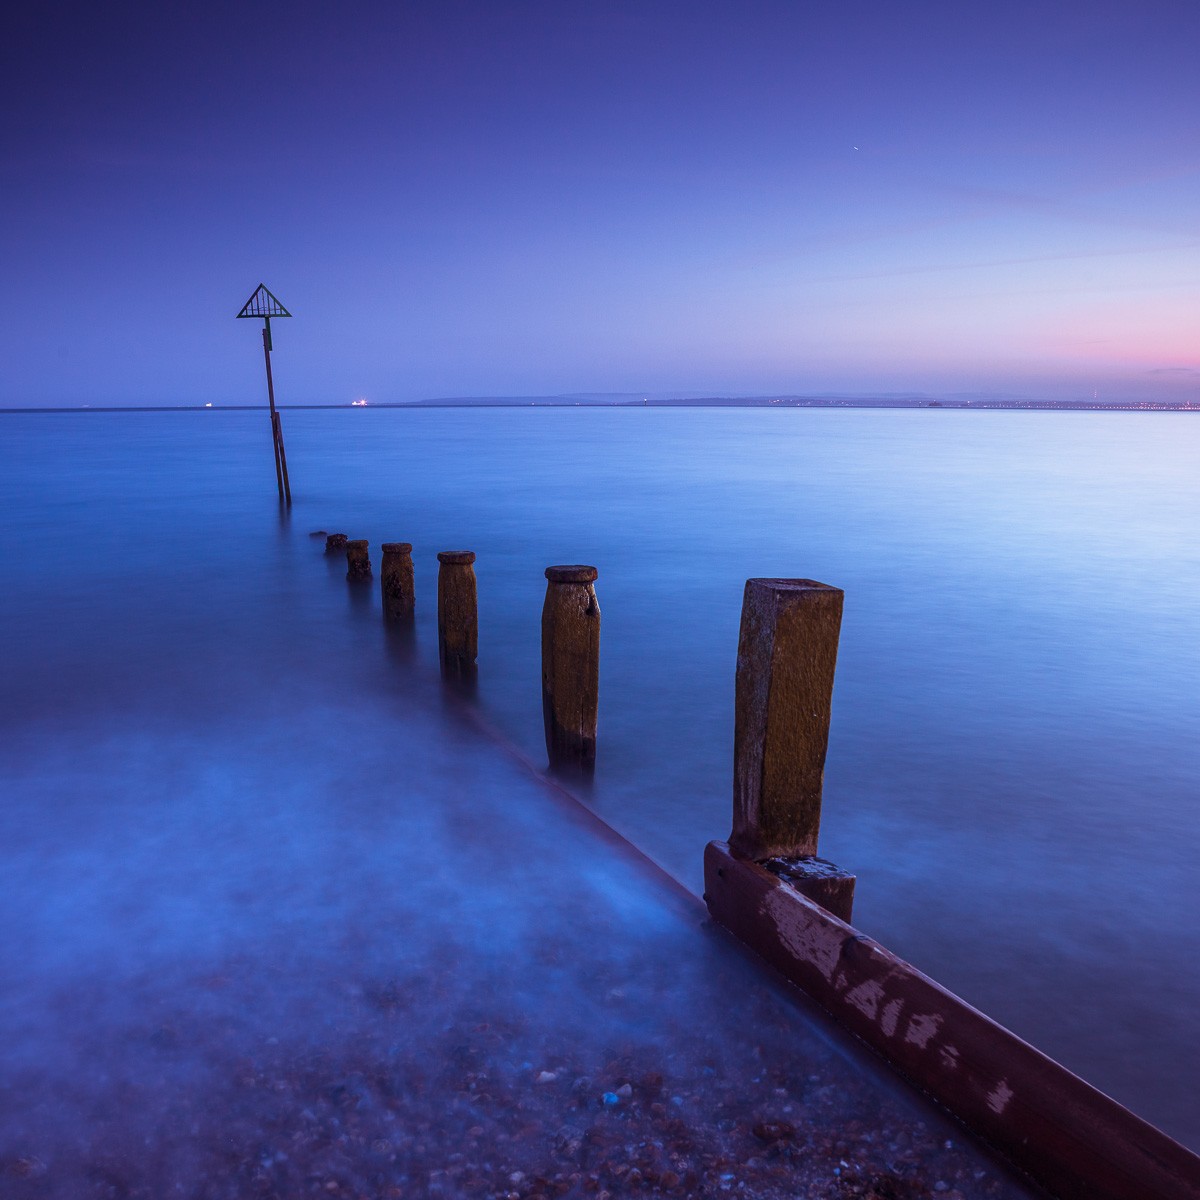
x: 1012, y: 771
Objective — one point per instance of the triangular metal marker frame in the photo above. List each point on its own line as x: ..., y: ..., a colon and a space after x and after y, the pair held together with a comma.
x: 263, y: 303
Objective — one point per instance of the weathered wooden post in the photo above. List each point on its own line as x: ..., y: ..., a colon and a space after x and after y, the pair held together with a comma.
x: 396, y: 583
x: 571, y: 666
x: 358, y: 560
x: 335, y: 543
x: 458, y: 614
x: 787, y: 652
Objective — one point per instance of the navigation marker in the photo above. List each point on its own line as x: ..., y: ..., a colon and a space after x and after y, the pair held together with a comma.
x: 264, y: 303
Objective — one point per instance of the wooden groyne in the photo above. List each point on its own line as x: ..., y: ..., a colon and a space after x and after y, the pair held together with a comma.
x: 767, y: 886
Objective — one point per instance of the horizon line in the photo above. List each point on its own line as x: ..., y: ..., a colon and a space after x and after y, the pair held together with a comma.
x: 789, y: 401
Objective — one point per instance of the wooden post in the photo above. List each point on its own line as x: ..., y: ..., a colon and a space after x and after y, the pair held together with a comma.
x: 335, y: 543
x: 358, y: 560
x: 458, y: 614
x: 787, y: 652
x: 571, y: 666
x: 396, y: 582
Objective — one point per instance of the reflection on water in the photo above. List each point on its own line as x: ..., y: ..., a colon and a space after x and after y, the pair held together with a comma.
x: 1011, y: 772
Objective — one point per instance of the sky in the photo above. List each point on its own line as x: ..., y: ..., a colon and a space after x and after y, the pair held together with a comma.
x: 704, y: 198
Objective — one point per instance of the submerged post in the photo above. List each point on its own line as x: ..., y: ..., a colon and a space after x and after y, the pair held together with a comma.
x: 458, y: 614
x: 358, y: 560
x: 264, y: 304
x: 396, y: 583
x: 335, y: 543
x: 571, y: 666
x: 787, y: 652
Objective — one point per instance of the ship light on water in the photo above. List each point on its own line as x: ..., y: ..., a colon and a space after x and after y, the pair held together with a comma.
x: 359, y: 403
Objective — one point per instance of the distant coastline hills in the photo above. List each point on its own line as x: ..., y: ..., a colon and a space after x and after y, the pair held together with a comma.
x: 885, y: 400
x: 651, y: 400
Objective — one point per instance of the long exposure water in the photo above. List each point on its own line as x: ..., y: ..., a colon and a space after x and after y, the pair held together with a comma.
x: 1012, y: 770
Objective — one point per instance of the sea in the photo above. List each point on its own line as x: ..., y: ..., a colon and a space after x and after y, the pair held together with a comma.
x: 1012, y: 774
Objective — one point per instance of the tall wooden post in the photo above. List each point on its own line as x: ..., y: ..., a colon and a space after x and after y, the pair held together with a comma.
x: 571, y: 667
x: 787, y: 652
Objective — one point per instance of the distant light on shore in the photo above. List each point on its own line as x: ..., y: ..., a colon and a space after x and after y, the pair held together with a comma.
x: 359, y: 403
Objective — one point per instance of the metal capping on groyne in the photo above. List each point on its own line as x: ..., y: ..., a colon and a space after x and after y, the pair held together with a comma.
x: 768, y: 888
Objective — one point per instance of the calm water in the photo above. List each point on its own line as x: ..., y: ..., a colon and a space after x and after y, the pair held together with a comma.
x: 1012, y: 771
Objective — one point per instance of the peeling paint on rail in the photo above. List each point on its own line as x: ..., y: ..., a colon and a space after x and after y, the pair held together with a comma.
x: 1069, y: 1137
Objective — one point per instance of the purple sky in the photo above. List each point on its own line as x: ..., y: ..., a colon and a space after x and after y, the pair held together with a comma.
x: 526, y: 198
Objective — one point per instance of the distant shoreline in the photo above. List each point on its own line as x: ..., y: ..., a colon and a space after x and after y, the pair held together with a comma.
x: 699, y: 402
